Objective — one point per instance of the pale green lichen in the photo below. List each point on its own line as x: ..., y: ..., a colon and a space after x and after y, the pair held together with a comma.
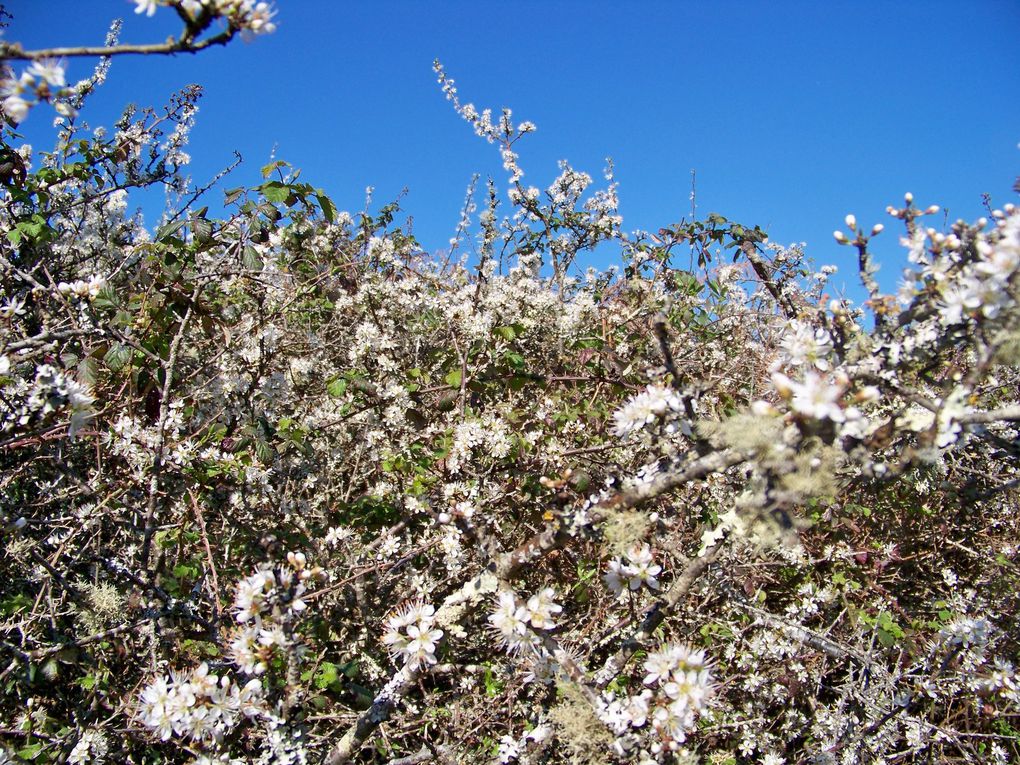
x: 585, y: 739
x: 744, y: 432
x: 812, y: 474
x: 105, y: 605
x: 623, y: 529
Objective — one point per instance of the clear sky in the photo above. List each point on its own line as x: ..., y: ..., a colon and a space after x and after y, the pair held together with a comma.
x: 792, y: 113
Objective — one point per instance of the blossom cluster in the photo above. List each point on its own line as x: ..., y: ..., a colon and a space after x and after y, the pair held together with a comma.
x: 513, y: 621
x: 249, y: 15
x: 52, y: 391
x: 655, y: 405
x: 410, y: 635
x: 678, y: 685
x: 81, y: 288
x: 197, y: 704
x: 266, y: 604
x: 638, y: 571
x: 42, y: 80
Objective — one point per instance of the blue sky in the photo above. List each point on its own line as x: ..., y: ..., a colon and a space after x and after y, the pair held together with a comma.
x: 792, y: 113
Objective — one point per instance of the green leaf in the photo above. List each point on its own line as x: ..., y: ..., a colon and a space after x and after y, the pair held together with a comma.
x: 453, y: 378
x: 88, y: 371
x: 88, y: 682
x: 117, y: 357
x: 185, y: 571
x: 30, y: 752
x: 107, y: 298
x: 276, y: 192
x: 202, y: 229
x: 327, y: 675
x: 336, y: 388
x: 251, y: 259
x: 515, y: 360
x: 264, y: 451
x: 328, y: 210
x: 507, y: 333
x: 885, y: 638
x: 167, y: 230
x: 267, y: 170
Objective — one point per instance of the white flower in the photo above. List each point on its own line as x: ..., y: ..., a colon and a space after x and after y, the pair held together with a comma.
x: 192, y: 7
x: 421, y: 647
x: 11, y: 307
x: 642, y: 569
x: 540, y: 609
x: 639, y: 570
x: 814, y: 397
x: 16, y: 108
x: 244, y: 651
x: 673, y: 721
x: 645, y: 408
x: 967, y: 632
x: 148, y: 7
x: 509, y: 749
x: 616, y: 576
x: 259, y: 19
x: 336, y: 535
x: 660, y: 665
x: 155, y: 700
x: 50, y: 70
x: 509, y: 618
x: 409, y: 634
x: 250, y: 594
x: 1000, y: 264
x: 91, y: 748
x: 804, y: 344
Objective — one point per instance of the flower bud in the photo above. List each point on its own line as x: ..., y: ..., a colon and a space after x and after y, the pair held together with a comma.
x: 908, y: 197
x: 867, y: 394
x: 851, y: 222
x: 931, y: 210
x: 839, y: 236
x: 877, y: 229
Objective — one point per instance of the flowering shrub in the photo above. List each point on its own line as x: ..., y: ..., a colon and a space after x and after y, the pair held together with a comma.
x: 280, y: 486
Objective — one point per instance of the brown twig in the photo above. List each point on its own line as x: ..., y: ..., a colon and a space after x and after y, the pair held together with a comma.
x: 183, y: 45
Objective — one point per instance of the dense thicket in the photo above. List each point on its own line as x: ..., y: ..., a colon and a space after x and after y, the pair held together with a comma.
x: 279, y: 486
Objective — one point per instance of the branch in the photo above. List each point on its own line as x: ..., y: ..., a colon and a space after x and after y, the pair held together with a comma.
x: 761, y: 268
x: 380, y: 710
x: 556, y: 534
x: 1006, y: 414
x: 171, y: 47
x: 164, y: 415
x: 656, y: 615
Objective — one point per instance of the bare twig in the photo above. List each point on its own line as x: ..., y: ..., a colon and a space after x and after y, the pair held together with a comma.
x: 182, y: 45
